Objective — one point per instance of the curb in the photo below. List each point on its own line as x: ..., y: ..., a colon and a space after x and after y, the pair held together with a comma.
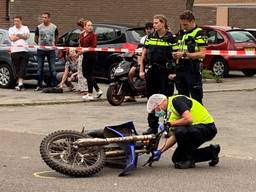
x: 100, y: 100
x: 229, y: 90
x: 48, y: 103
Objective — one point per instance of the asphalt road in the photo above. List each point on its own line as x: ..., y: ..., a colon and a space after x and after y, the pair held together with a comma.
x: 22, y: 129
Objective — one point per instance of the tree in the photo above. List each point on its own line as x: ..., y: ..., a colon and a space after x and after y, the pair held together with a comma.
x: 189, y: 4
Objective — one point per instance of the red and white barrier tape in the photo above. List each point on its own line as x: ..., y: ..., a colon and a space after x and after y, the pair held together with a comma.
x: 230, y: 53
x: 83, y: 49
x: 125, y: 50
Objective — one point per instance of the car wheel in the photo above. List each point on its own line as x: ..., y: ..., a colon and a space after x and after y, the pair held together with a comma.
x: 220, y: 67
x: 111, y: 71
x: 6, y: 76
x: 249, y: 73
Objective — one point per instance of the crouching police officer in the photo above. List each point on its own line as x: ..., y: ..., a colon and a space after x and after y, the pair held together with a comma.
x: 191, y: 125
x: 190, y: 51
x: 155, y: 59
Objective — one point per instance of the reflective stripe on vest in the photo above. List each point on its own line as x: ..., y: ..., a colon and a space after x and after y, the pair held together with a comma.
x: 199, y: 40
x: 200, y: 115
x: 157, y: 42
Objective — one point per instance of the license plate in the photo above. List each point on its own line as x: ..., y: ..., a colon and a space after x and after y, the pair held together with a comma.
x: 249, y: 49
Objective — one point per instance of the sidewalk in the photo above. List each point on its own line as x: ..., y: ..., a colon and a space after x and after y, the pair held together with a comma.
x: 10, y: 97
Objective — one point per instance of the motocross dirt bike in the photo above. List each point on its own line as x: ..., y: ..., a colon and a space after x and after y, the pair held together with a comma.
x: 122, y: 86
x: 83, y: 154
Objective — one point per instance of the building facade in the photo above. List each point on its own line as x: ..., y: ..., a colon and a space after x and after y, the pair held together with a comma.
x: 133, y: 12
x: 226, y: 12
x: 66, y: 13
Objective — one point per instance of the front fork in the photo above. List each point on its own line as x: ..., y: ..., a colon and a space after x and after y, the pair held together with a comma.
x: 120, y: 89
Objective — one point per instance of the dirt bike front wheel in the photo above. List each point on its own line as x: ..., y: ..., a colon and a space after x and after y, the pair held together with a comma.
x: 58, y: 153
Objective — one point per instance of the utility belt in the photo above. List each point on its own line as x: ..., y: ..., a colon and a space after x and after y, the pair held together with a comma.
x: 150, y: 65
x: 189, y: 65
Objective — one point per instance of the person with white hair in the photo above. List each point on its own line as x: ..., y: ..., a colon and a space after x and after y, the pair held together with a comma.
x: 190, y: 125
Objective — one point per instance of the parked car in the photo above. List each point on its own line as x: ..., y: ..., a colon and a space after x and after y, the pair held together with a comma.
x: 7, y: 73
x: 229, y: 38
x: 110, y: 36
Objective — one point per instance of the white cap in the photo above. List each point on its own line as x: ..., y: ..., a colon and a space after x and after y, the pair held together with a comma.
x: 154, y: 100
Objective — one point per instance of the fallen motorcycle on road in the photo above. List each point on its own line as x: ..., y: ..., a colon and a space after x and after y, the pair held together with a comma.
x: 83, y: 154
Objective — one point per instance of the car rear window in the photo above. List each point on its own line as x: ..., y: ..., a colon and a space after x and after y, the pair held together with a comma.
x: 136, y: 34
x: 1, y: 37
x: 241, y: 36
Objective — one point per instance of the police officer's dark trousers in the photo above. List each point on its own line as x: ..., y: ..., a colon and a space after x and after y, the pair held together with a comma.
x: 157, y: 82
x: 189, y: 138
x: 189, y: 82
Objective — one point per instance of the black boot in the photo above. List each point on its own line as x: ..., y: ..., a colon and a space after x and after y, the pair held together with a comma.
x: 150, y: 131
x: 184, y: 164
x: 215, y: 159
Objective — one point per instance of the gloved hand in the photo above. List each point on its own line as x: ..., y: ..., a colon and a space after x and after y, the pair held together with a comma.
x: 161, y: 126
x: 157, y: 155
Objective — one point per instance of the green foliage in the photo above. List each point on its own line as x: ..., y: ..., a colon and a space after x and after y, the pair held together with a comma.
x: 207, y: 74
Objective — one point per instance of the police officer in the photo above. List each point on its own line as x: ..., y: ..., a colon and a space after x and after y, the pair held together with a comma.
x: 191, y: 125
x: 154, y: 64
x: 190, y: 51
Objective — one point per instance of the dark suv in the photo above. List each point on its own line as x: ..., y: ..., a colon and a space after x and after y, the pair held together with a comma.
x: 7, y: 74
x: 110, y: 36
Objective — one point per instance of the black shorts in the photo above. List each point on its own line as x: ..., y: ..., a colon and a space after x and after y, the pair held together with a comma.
x: 20, y: 61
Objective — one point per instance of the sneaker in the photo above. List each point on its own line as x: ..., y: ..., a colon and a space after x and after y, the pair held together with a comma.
x: 19, y: 87
x: 38, y: 88
x: 184, y: 165
x: 88, y: 97
x: 99, y: 93
x: 215, y: 159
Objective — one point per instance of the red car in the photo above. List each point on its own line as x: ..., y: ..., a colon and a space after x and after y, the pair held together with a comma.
x: 229, y: 38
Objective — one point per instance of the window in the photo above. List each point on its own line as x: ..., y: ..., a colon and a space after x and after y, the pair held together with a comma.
x: 136, y: 34
x: 105, y: 33
x: 241, y: 36
x: 1, y: 37
x: 213, y: 37
x: 74, y: 38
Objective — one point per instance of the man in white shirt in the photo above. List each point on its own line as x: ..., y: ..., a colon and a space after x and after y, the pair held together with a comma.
x: 18, y: 35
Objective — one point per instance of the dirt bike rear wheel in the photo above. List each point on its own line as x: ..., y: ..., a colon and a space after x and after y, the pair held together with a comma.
x: 58, y: 153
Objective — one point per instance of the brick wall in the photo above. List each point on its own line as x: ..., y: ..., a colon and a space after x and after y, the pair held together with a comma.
x: 3, y: 22
x: 225, y: 1
x: 133, y: 12
x: 205, y: 15
x: 238, y: 17
x: 244, y: 18
x: 65, y: 15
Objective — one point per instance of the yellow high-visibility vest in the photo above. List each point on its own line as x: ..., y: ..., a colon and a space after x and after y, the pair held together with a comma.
x: 200, y: 115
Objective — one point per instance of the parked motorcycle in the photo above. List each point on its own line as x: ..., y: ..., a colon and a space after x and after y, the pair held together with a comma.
x: 122, y: 86
x: 83, y: 154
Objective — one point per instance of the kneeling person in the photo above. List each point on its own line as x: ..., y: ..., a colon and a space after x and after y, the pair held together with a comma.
x: 192, y: 125
x: 70, y: 73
